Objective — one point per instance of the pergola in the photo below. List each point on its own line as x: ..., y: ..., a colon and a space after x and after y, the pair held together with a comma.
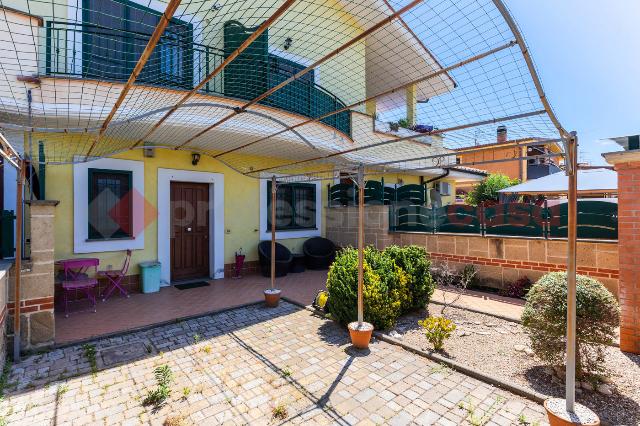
x: 460, y: 67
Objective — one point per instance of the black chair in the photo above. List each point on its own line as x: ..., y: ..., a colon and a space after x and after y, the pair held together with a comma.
x: 283, y: 259
x: 319, y: 253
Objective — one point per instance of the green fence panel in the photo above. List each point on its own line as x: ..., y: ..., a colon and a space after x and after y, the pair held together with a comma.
x: 246, y: 77
x: 389, y: 195
x: 412, y: 219
x: 515, y: 219
x: 458, y: 218
x: 342, y: 194
x: 596, y: 219
x: 412, y: 193
x: 373, y: 193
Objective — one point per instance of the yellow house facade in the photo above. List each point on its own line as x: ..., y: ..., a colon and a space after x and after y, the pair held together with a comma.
x: 151, y: 175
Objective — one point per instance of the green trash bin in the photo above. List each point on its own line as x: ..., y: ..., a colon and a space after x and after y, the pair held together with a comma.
x: 150, y: 272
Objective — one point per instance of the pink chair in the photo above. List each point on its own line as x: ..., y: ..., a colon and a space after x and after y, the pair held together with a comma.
x: 76, y: 278
x: 114, y: 278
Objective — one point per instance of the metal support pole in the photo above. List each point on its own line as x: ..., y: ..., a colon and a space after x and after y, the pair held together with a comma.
x: 572, y: 220
x: 360, y: 245
x: 18, y: 265
x: 274, y: 189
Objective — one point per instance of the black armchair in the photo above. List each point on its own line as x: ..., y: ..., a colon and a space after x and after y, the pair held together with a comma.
x: 283, y: 259
x: 319, y: 253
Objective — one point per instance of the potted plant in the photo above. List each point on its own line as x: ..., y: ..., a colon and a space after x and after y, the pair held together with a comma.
x: 559, y: 415
x: 272, y: 297
x: 360, y: 333
x: 239, y: 263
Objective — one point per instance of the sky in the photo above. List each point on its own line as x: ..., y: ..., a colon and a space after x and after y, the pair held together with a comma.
x: 587, y: 53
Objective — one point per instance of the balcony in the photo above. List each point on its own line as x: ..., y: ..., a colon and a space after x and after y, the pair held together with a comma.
x: 92, y: 51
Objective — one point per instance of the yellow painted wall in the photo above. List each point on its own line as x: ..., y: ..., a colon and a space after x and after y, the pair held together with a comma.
x: 241, y: 208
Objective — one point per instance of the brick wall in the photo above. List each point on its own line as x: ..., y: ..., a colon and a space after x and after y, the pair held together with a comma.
x: 500, y: 260
x: 248, y: 268
x: 37, y: 323
x: 627, y: 164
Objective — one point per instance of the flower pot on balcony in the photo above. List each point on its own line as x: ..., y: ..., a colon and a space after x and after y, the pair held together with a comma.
x: 272, y: 297
x: 360, y: 334
x: 559, y: 416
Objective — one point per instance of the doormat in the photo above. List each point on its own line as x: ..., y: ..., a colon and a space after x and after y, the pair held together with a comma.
x: 187, y: 286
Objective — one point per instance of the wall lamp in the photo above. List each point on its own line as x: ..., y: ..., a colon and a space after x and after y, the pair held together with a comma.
x: 195, y: 158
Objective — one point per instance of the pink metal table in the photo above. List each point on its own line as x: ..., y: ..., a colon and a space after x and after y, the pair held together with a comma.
x: 76, y: 277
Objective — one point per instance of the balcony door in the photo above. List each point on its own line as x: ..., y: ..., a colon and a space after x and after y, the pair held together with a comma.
x: 114, y: 35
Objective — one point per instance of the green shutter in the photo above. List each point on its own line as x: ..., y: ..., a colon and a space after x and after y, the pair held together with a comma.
x: 246, y: 77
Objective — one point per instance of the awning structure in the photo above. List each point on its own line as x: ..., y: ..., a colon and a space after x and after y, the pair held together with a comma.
x: 590, y: 181
x: 197, y: 75
x: 182, y: 79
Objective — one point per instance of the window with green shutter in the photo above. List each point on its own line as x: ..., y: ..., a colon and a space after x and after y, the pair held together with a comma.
x: 295, y: 206
x: 110, y: 204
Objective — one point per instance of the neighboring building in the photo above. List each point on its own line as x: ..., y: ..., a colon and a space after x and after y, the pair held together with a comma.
x: 503, y: 149
x: 128, y: 200
x: 628, y: 143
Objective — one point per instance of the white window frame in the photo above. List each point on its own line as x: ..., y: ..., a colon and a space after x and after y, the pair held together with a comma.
x: 265, y: 231
x: 442, y: 185
x: 81, y: 241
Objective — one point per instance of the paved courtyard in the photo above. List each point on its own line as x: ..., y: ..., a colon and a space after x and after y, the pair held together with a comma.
x: 242, y: 367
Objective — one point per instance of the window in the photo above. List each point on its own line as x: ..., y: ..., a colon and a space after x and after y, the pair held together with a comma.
x: 444, y: 188
x: 295, y: 206
x: 116, y: 32
x: 109, y: 204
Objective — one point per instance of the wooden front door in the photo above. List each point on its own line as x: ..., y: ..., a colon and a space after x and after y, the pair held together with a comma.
x: 189, y: 230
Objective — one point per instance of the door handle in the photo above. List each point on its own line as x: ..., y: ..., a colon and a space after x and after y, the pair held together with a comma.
x: 188, y: 229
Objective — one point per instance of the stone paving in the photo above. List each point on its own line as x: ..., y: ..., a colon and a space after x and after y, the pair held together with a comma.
x: 242, y: 367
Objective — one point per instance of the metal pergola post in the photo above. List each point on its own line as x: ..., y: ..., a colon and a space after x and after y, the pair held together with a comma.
x: 572, y: 220
x: 18, y: 262
x: 274, y: 191
x: 360, y: 245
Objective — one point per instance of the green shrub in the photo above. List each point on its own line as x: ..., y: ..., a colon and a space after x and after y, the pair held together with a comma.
x: 487, y: 190
x: 545, y: 320
x: 385, y: 287
x: 413, y: 260
x: 437, y: 329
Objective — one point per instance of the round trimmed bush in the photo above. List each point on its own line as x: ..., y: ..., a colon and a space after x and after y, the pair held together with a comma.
x: 385, y: 288
x: 413, y: 260
x: 545, y: 321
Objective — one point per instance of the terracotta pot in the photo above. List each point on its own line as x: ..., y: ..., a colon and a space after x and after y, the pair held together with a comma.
x: 272, y: 297
x: 558, y: 416
x: 360, y: 336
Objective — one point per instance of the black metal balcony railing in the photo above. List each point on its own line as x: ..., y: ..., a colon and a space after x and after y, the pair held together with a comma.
x: 92, y: 51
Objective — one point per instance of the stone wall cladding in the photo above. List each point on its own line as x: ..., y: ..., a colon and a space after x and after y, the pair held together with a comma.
x: 342, y: 226
x: 499, y: 260
x: 37, y: 321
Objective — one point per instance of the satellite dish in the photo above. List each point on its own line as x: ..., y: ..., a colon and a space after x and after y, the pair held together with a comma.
x: 436, y: 200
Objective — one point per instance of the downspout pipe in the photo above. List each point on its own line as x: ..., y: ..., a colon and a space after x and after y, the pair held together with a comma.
x: 444, y: 175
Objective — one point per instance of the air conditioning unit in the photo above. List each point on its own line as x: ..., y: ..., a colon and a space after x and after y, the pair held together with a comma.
x: 444, y: 188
